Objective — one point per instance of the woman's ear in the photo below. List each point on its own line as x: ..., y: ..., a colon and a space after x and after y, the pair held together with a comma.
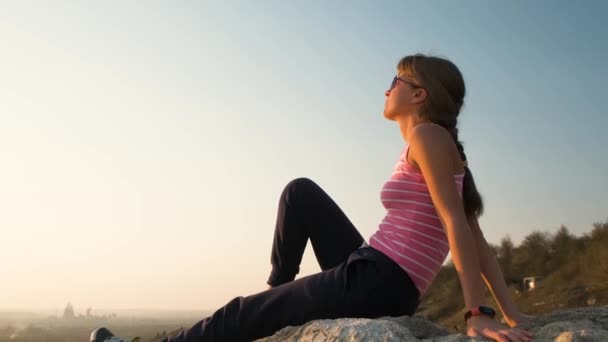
x: 420, y: 95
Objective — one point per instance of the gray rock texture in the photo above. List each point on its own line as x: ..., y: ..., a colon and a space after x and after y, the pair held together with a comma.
x: 572, y: 325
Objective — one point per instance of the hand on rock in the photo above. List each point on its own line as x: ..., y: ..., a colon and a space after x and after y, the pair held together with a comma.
x: 487, y: 327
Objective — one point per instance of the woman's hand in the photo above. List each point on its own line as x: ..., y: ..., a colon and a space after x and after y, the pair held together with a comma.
x: 517, y: 318
x: 487, y: 327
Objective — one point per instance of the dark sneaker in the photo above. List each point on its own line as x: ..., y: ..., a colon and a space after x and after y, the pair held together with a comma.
x: 105, y: 335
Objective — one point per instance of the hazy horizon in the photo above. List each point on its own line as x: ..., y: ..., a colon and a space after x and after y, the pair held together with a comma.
x: 43, y: 313
x: 145, y: 148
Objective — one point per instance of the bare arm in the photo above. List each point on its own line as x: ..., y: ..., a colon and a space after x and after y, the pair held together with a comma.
x: 492, y: 275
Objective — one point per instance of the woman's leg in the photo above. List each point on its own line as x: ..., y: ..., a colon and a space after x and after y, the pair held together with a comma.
x: 366, y: 284
x: 306, y: 211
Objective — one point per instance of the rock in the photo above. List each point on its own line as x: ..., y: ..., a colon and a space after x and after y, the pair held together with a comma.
x: 345, y: 329
x: 570, y: 325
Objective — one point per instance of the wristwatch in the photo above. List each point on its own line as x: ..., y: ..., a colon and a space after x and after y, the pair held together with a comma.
x: 479, y: 311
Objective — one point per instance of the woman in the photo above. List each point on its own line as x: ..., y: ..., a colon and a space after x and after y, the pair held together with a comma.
x: 432, y: 208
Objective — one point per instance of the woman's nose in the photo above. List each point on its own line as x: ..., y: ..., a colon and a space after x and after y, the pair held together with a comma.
x: 387, y: 92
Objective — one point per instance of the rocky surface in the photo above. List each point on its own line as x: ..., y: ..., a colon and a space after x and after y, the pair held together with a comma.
x: 576, y: 325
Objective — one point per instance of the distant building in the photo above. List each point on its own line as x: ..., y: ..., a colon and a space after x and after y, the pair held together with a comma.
x: 68, y: 312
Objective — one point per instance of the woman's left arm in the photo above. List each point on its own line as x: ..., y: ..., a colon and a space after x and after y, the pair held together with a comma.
x: 492, y: 275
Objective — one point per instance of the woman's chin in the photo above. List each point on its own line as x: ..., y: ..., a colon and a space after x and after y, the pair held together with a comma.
x: 388, y: 115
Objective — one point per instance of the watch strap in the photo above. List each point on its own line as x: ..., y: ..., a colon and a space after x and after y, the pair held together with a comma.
x: 479, y: 311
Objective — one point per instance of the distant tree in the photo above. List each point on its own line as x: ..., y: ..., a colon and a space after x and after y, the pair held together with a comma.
x: 89, y: 309
x: 505, y: 259
x: 600, y: 231
x: 563, y: 247
x: 592, y: 262
x: 68, y: 312
x: 532, y: 256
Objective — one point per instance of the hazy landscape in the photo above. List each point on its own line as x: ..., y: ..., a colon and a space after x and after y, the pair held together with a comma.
x: 567, y: 266
x: 51, y: 327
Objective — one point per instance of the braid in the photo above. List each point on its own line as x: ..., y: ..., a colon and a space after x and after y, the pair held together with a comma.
x: 473, y: 204
x: 454, y: 132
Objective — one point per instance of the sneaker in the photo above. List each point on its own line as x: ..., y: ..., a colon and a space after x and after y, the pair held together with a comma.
x: 105, y: 335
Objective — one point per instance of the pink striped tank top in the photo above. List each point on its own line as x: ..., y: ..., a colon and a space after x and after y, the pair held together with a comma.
x: 411, y: 233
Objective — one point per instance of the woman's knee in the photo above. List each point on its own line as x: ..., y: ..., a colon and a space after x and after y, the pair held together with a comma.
x: 297, y: 187
x: 301, y: 182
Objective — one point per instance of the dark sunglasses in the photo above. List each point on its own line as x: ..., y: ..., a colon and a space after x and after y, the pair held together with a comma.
x: 396, y: 78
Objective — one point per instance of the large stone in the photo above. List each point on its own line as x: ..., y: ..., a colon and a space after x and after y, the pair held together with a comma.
x: 572, y: 325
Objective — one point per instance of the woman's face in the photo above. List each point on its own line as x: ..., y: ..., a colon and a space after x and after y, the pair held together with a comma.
x: 402, y: 98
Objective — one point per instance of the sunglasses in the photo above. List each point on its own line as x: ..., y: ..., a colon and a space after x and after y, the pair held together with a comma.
x: 396, y: 78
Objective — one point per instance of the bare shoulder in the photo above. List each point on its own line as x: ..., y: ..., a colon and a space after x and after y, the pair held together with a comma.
x: 431, y: 140
x: 426, y: 132
x: 434, y: 144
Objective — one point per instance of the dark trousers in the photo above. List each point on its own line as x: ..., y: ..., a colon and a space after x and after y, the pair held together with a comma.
x: 355, y: 281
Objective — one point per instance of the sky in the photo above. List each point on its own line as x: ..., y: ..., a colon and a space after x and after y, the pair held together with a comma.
x: 144, y: 148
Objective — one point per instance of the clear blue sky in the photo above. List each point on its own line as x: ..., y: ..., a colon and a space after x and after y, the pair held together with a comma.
x: 144, y: 147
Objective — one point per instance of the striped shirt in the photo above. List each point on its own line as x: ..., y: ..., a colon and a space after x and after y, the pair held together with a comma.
x: 411, y: 233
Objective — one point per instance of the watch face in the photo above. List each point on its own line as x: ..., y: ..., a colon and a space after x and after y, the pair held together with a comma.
x: 486, y: 310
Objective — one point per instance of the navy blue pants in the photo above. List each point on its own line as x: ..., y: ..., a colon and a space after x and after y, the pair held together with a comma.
x: 355, y: 281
